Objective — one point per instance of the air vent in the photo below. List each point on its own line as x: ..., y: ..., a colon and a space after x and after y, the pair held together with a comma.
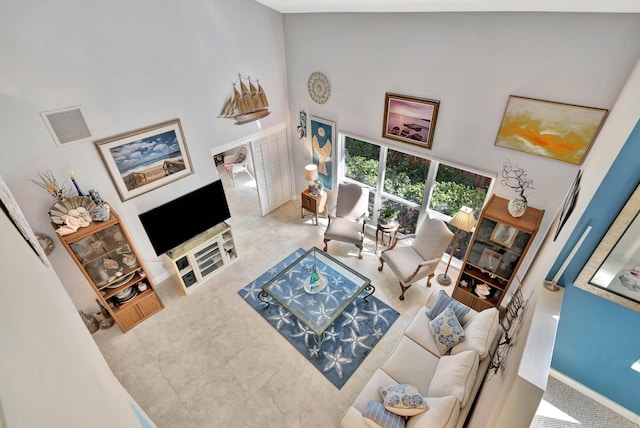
x: 66, y: 125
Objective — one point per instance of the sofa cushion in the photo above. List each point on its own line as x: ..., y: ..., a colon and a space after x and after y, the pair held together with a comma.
x: 441, y: 304
x: 443, y: 413
x: 370, y: 391
x: 480, y: 332
x: 455, y: 375
x: 418, y: 331
x: 446, y: 330
x: 377, y: 416
x: 403, y: 399
x: 410, y: 363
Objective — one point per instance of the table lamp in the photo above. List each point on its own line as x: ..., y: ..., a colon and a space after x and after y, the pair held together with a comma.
x: 311, y: 174
x: 463, y: 221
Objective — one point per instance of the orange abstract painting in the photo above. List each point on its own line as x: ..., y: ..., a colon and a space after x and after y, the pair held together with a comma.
x: 558, y: 131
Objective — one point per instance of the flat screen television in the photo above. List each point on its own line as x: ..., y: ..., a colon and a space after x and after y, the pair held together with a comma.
x: 179, y: 220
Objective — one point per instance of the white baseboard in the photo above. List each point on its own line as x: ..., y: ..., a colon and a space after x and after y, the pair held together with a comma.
x: 599, y: 398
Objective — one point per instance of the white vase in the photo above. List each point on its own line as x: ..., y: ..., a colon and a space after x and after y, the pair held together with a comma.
x: 517, y: 207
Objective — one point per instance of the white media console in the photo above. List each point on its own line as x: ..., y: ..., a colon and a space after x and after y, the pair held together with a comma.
x: 202, y: 257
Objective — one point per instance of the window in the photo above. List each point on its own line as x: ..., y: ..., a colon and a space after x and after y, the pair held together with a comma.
x: 361, y: 161
x: 361, y: 165
x: 455, y: 187
x: 413, y: 185
x: 405, y: 176
x: 404, y: 184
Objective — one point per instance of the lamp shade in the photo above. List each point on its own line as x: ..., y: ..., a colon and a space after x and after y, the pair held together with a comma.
x: 311, y: 172
x: 463, y: 220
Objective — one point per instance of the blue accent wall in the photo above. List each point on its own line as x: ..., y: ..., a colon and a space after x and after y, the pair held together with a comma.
x: 598, y: 340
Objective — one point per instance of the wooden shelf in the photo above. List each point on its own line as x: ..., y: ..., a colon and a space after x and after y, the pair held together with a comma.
x: 491, y: 261
x: 104, y: 265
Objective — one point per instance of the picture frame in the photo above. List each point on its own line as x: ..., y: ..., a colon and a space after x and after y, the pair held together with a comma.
x: 145, y: 159
x: 490, y: 260
x: 323, y: 137
x: 9, y: 205
x: 613, y: 270
x: 569, y: 203
x: 559, y: 131
x: 504, y: 235
x: 410, y: 120
x: 302, y: 127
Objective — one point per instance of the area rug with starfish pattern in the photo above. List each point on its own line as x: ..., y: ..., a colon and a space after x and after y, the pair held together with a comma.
x: 346, y: 343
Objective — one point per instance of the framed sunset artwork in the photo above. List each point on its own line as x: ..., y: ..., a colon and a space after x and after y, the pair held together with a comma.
x: 558, y: 131
x: 409, y: 119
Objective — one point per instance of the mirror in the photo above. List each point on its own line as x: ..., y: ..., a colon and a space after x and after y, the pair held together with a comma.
x: 613, y: 270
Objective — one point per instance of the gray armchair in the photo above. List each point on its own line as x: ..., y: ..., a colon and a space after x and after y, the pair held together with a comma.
x: 347, y: 219
x: 411, y: 263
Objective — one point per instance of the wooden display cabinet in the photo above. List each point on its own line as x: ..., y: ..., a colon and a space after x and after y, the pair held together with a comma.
x: 108, y: 260
x: 202, y: 257
x: 496, y: 250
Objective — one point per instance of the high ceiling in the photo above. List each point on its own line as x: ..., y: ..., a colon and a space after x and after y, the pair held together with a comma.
x: 315, y: 6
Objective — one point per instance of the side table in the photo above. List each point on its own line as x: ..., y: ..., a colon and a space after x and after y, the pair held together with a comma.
x: 313, y: 203
x: 391, y: 229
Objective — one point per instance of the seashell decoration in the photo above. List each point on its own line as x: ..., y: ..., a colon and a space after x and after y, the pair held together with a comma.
x: 110, y: 264
x: 65, y: 230
x: 101, y: 213
x: 80, y: 205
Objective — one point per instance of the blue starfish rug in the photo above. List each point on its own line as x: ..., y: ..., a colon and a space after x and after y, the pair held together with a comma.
x: 346, y: 343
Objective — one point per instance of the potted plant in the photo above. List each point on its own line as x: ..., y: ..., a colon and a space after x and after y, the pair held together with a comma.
x: 387, y: 214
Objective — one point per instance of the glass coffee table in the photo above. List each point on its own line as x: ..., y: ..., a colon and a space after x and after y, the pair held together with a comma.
x: 316, y: 289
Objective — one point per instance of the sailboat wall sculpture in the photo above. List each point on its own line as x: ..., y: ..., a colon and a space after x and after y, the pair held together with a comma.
x: 247, y: 104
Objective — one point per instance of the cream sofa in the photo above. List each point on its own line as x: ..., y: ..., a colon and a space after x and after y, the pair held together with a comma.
x: 449, y: 383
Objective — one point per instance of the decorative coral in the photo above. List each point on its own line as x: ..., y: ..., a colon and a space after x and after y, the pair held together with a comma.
x: 516, y: 178
x: 49, y: 183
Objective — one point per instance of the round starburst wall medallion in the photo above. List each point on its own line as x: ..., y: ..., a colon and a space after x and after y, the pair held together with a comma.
x: 319, y: 87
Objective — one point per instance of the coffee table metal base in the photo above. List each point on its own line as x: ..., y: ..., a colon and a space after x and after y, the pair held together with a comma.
x: 264, y: 296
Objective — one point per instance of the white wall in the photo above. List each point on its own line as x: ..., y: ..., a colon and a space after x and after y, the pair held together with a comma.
x: 130, y: 65
x: 52, y: 373
x: 528, y: 365
x: 472, y: 63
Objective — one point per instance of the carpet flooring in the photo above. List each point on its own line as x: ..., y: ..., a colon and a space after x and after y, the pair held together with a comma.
x: 564, y: 407
x: 346, y: 343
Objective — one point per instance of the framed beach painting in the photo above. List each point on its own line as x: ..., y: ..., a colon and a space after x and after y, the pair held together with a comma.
x: 323, y: 137
x: 147, y: 158
x: 409, y: 119
x: 558, y: 131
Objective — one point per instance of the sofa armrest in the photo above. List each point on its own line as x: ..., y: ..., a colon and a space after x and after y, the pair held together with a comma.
x: 352, y: 418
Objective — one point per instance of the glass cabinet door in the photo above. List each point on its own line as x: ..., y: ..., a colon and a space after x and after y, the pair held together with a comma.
x: 497, y: 248
x: 106, y: 256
